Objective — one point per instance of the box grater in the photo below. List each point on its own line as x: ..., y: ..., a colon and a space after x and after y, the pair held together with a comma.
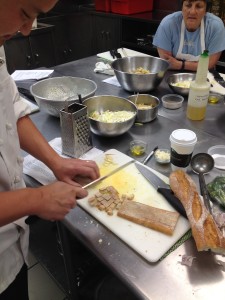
x: 75, y: 130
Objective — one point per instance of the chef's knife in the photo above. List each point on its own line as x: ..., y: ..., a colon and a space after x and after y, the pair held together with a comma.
x: 218, y: 77
x: 162, y: 188
x: 109, y: 174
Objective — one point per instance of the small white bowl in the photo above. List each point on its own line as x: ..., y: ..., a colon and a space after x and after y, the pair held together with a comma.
x: 162, y: 156
x: 218, y: 154
x: 172, y: 101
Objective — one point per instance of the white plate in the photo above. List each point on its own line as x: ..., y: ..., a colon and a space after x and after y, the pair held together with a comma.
x: 218, y: 154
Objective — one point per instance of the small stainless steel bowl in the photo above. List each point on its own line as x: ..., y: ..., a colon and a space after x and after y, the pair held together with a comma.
x: 179, y: 78
x: 124, y: 70
x: 172, y: 101
x: 147, y: 114
x: 110, y: 103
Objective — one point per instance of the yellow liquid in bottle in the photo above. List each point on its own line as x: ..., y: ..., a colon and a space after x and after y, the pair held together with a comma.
x: 196, y: 113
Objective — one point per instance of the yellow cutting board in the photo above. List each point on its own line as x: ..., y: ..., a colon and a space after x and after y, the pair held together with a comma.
x: 150, y: 244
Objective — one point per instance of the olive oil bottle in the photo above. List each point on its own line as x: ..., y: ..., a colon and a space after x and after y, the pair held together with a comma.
x: 199, y: 90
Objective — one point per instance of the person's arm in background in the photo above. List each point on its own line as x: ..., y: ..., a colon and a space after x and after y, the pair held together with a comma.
x: 188, y: 65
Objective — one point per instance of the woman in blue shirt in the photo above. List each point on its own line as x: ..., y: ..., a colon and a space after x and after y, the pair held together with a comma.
x: 182, y: 36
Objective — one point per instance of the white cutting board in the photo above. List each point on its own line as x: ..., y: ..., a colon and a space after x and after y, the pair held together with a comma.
x: 150, y: 244
x: 216, y: 87
x: 123, y: 51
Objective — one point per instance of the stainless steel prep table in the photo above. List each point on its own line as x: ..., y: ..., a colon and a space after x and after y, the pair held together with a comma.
x: 167, y: 278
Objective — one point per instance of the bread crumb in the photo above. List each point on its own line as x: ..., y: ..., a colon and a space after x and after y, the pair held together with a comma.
x: 187, y: 260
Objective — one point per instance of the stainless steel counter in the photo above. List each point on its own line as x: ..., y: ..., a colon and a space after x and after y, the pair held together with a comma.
x: 167, y: 279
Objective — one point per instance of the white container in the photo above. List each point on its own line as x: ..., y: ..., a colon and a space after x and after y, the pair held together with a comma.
x: 182, y: 142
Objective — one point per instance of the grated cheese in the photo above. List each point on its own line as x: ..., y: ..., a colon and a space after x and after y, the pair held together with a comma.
x: 162, y: 155
x: 112, y: 116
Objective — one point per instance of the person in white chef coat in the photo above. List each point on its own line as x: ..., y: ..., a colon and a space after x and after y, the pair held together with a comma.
x: 182, y: 36
x: 17, y: 131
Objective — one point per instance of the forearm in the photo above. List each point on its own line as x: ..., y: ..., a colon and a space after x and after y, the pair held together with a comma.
x: 32, y: 141
x: 17, y: 204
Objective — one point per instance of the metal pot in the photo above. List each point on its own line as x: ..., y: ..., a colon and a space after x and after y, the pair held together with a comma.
x: 147, y: 114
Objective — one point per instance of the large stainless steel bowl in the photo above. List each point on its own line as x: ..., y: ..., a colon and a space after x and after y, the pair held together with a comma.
x: 50, y: 94
x: 111, y: 103
x: 124, y: 70
x: 180, y: 77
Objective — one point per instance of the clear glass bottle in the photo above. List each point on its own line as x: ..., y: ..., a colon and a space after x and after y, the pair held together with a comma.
x: 199, y: 90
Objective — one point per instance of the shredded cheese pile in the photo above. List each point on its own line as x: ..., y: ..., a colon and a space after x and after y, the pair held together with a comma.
x: 141, y: 70
x: 112, y: 116
x: 162, y: 155
x: 144, y: 106
x: 183, y: 84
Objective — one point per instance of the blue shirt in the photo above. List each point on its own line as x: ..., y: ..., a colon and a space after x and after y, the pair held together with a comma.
x: 167, y: 36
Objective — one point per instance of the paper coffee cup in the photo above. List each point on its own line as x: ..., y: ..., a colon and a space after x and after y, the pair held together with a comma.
x: 182, y: 142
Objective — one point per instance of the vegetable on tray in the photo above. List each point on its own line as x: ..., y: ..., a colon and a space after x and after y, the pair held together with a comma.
x: 216, y: 190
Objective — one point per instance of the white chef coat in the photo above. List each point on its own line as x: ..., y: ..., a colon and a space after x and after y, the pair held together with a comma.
x: 14, y: 236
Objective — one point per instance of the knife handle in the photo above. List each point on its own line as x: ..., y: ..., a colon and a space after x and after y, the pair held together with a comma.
x: 173, y: 200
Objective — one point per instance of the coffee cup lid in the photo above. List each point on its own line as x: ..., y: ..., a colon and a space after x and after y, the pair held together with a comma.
x: 183, y: 137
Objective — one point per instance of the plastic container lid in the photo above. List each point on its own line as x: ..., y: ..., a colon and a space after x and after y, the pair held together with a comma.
x: 183, y: 137
x: 218, y: 154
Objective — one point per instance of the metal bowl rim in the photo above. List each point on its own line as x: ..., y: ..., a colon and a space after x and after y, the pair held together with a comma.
x: 131, y: 57
x: 125, y: 99
x: 60, y: 77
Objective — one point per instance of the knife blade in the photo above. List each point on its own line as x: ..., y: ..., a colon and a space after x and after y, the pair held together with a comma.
x: 162, y: 188
x: 218, y: 77
x: 109, y: 174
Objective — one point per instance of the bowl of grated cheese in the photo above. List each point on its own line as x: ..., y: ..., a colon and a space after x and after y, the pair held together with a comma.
x: 162, y: 156
x: 140, y: 74
x: 147, y: 107
x: 110, y: 115
x: 180, y: 82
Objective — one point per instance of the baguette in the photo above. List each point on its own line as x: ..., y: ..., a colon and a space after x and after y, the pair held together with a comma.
x: 205, y: 231
x: 148, y: 216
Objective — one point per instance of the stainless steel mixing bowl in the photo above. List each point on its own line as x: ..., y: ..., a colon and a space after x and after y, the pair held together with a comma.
x: 180, y: 77
x: 149, y: 113
x: 111, y: 103
x: 124, y: 70
x: 53, y: 94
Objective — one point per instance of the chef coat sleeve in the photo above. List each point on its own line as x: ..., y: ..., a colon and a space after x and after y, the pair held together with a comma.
x: 20, y: 107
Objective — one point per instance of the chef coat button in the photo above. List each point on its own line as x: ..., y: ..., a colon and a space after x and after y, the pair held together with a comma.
x: 20, y: 159
x: 17, y: 179
x: 1, y: 142
x: 9, y: 126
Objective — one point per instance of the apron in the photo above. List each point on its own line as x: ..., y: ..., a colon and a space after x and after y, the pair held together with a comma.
x: 190, y: 57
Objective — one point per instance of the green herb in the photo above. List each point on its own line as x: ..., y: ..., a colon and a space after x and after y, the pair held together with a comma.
x: 216, y: 189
